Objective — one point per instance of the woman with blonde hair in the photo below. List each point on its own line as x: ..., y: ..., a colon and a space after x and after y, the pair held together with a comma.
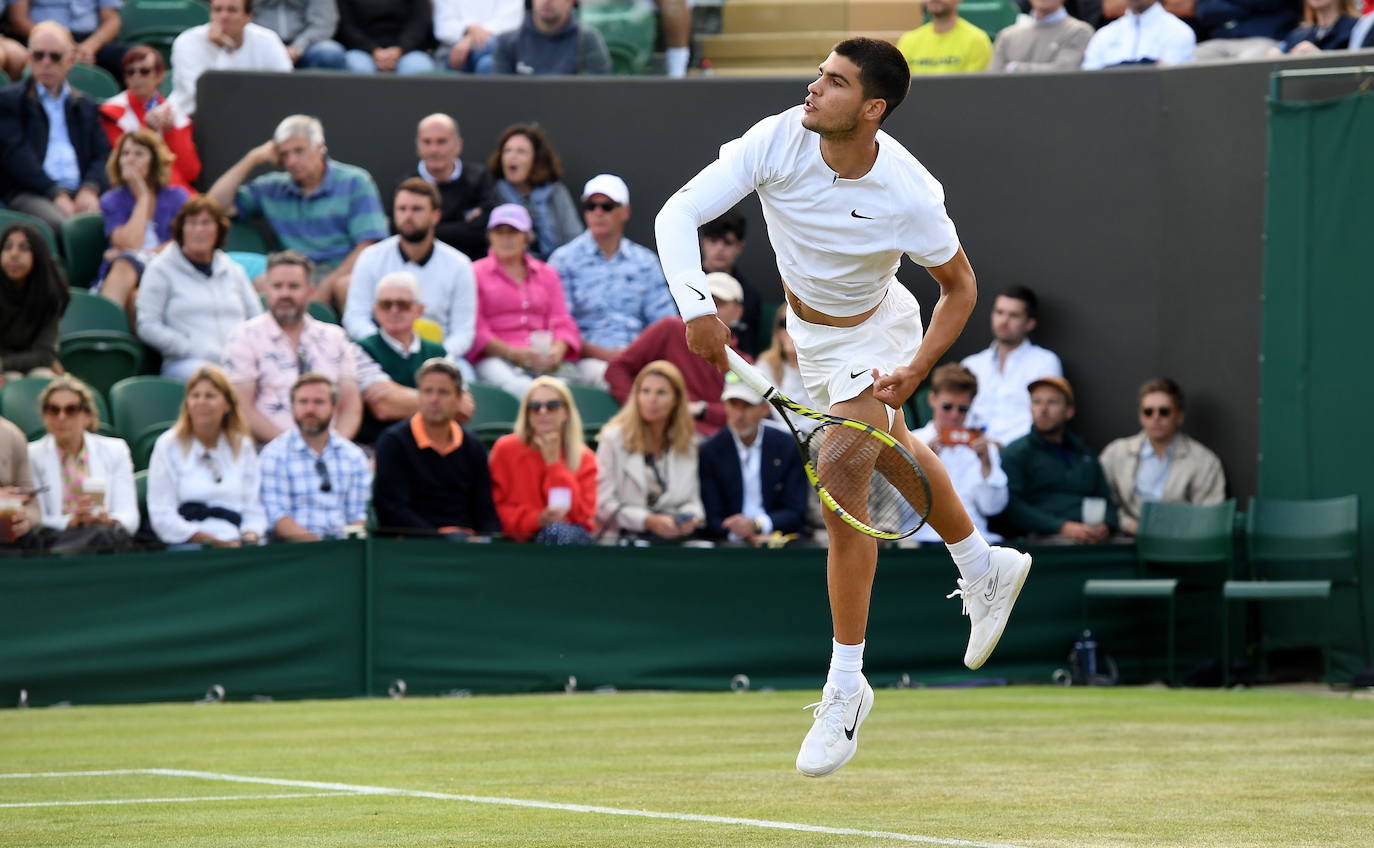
x: 1326, y: 25
x: 203, y: 477
x: 138, y: 209
x: 647, y: 481
x: 543, y: 477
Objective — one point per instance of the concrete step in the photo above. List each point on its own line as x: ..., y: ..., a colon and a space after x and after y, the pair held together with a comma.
x: 761, y: 16
x: 799, y: 47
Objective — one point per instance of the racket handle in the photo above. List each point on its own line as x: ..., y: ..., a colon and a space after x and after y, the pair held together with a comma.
x: 752, y: 377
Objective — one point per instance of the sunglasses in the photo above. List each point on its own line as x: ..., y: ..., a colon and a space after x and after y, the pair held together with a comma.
x: 963, y: 407
x: 323, y: 470
x: 40, y: 55
x: 398, y: 305
x: 606, y: 206
x: 209, y: 462
x: 1162, y: 411
x: 302, y: 361
x: 541, y: 405
x: 143, y: 71
x: 70, y: 410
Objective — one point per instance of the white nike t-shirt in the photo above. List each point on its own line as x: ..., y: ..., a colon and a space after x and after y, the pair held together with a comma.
x: 838, y: 242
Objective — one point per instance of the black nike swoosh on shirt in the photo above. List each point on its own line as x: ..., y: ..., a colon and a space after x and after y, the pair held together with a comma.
x: 857, y: 374
x: 855, y: 213
x: 849, y: 731
x: 700, y: 296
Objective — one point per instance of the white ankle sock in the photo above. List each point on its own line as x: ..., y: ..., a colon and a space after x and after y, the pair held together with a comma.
x: 971, y: 556
x: 846, y: 661
x: 676, y: 58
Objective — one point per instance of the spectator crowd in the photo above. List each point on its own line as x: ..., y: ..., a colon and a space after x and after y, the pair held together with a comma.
x: 476, y: 275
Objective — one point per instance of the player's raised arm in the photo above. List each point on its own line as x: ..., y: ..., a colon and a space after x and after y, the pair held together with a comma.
x: 958, y: 294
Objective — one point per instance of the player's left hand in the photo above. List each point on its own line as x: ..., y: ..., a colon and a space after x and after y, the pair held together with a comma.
x: 893, y: 389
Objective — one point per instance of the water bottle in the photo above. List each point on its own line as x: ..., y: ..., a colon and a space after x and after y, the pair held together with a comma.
x: 1088, y: 653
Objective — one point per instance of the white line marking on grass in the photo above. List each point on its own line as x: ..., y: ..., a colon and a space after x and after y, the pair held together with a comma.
x: 119, y: 801
x: 576, y: 808
x: 71, y: 773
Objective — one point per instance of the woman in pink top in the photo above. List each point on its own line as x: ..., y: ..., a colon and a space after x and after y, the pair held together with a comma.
x: 523, y: 325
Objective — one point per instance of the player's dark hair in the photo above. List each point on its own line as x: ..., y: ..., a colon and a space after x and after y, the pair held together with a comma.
x: 883, y: 70
x: 1165, y: 385
x: 1024, y: 295
x: 730, y: 222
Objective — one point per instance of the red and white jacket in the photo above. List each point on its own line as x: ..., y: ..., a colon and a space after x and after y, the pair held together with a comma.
x: 125, y: 113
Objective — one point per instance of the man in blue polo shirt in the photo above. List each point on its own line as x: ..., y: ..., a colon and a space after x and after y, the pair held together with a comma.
x: 328, y: 210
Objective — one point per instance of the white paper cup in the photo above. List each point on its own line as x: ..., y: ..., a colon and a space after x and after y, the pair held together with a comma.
x: 94, y: 488
x: 560, y: 497
x: 1094, y: 511
x: 541, y: 341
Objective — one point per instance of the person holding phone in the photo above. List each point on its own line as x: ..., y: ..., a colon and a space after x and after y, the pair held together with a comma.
x: 972, y: 460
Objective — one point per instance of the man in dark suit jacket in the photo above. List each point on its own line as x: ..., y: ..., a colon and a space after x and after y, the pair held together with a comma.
x: 51, y: 185
x: 464, y: 190
x: 752, y: 482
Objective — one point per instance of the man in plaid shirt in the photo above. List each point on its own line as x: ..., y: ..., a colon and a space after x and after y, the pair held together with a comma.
x: 314, y: 482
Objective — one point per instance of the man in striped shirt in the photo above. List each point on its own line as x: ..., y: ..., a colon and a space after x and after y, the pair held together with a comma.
x: 330, y: 211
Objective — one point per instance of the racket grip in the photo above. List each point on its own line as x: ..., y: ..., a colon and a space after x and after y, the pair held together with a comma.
x: 752, y: 377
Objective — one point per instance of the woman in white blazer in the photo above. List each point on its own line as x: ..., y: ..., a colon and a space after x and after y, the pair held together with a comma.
x: 646, y: 461
x: 71, y: 461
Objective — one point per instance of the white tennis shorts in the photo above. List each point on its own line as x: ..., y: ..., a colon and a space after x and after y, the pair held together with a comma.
x: 837, y: 363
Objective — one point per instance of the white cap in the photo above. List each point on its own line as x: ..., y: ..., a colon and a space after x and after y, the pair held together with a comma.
x: 737, y: 388
x: 610, y: 185
x: 724, y: 287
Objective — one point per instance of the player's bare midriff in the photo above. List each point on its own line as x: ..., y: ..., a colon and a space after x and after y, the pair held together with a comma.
x: 815, y: 316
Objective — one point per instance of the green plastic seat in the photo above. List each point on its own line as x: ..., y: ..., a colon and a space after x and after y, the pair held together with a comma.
x: 144, y: 408
x: 9, y: 216
x: 159, y: 22
x: 1196, y: 541
x: 88, y: 311
x: 101, y: 358
x: 322, y: 312
x: 496, y: 411
x: 1301, y: 550
x: 991, y: 16
x: 83, y: 247
x: 596, y: 406
x: 245, y: 238
x: 629, y: 30
x: 93, y: 81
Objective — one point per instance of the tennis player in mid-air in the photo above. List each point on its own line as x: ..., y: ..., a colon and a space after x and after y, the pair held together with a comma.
x: 844, y: 201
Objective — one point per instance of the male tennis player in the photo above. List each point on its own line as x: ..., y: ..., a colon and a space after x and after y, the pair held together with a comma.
x: 843, y: 201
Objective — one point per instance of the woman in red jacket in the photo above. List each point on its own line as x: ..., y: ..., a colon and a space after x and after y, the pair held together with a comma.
x: 543, y: 476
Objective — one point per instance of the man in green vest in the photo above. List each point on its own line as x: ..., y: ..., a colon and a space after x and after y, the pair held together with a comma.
x: 396, y: 347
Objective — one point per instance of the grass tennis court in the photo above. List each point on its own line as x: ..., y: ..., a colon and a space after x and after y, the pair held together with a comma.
x: 1015, y: 766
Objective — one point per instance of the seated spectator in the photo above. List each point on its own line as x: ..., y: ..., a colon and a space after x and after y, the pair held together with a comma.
x: 193, y: 295
x: 388, y: 37
x: 523, y: 326
x: 50, y: 170
x: 306, y: 27
x: 1051, y: 473
x: 83, y: 479
x: 1145, y: 35
x: 395, y: 347
x: 615, y: 287
x: 550, y: 40
x: 330, y: 211
x: 229, y: 42
x: 646, y: 463
x: 33, y: 296
x: 136, y: 107
x: 432, y: 474
x: 525, y: 170
x: 722, y: 242
x: 779, y: 362
x: 315, y: 483
x: 948, y: 44
x: 666, y: 338
x: 972, y: 460
x: 466, y: 31
x: 18, y: 507
x: 1049, y: 40
x: 138, y: 209
x: 1243, y: 29
x: 1326, y: 25
x: 463, y: 190
x: 1007, y: 366
x: 203, y: 475
x: 265, y: 355
x: 543, y: 477
x: 752, y: 483
x: 448, y: 290
x: 1160, y: 463
x: 94, y: 26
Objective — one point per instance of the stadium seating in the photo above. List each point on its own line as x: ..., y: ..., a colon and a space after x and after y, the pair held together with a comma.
x: 159, y: 22
x: 19, y: 405
x: 141, y: 486
x: 83, y: 247
x: 1193, y: 542
x: 88, y: 311
x: 992, y: 16
x: 1299, y: 551
x: 596, y: 407
x: 101, y: 358
x: 144, y: 408
x: 323, y: 312
x: 9, y: 216
x: 245, y: 238
x: 496, y: 410
x: 629, y: 30
x: 253, y: 264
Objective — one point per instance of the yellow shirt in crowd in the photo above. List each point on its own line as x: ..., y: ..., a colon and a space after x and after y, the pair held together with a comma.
x: 964, y: 49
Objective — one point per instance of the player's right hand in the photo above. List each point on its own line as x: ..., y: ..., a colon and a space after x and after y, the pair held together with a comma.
x: 707, y: 337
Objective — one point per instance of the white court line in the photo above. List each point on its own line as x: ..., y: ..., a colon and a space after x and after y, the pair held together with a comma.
x: 337, y: 789
x: 119, y: 801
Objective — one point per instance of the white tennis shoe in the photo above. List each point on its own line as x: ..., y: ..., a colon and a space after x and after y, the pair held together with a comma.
x: 989, y: 599
x: 834, y: 737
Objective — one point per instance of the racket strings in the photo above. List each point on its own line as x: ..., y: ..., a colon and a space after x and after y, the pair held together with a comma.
x: 869, y: 479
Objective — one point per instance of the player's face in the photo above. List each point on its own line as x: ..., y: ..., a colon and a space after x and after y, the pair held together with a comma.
x: 835, y: 99
x: 720, y: 254
x: 950, y: 408
x: 1010, y: 323
x: 1160, y: 417
x: 1050, y: 410
x: 655, y: 399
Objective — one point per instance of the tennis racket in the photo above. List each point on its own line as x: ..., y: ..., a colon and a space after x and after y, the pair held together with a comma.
x: 861, y: 473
